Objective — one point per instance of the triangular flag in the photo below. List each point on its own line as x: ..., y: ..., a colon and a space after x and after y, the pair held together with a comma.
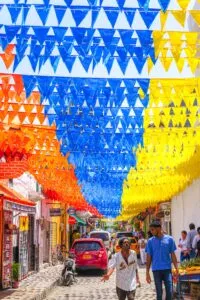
x: 79, y: 15
x: 196, y: 16
x: 149, y: 16
x: 112, y: 16
x: 180, y: 16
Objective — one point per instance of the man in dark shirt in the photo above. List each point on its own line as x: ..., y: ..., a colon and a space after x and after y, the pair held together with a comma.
x: 190, y: 237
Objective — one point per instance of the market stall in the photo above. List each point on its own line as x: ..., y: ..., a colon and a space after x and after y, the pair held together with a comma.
x: 188, y: 283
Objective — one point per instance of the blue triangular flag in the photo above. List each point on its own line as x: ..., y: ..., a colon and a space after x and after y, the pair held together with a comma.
x: 107, y: 36
x: 14, y: 12
x: 68, y: 2
x: 95, y: 13
x: 41, y: 33
x: 164, y: 4
x: 11, y: 32
x: 123, y: 63
x: 34, y: 61
x: 79, y: 15
x: 122, y: 52
x: 59, y: 33
x: 43, y: 13
x: 59, y: 13
x: 85, y: 61
x: 144, y: 84
x: 121, y: 3
x: 79, y: 34
x: 54, y: 62
x: 145, y: 37
x: 112, y: 15
x: 130, y: 14
x: 92, y: 2
x: 143, y: 4
x: 69, y: 62
x: 149, y: 16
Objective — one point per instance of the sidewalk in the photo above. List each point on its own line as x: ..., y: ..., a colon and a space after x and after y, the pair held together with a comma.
x: 35, y: 287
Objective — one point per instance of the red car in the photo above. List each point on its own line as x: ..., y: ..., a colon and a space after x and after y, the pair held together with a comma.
x: 90, y: 254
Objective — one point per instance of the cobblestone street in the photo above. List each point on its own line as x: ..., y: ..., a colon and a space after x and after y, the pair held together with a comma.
x: 90, y: 287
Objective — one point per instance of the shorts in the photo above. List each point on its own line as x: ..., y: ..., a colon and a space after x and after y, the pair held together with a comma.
x: 123, y: 294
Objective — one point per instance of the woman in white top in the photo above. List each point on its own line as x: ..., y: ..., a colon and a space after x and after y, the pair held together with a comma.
x: 142, y: 242
x: 183, y: 246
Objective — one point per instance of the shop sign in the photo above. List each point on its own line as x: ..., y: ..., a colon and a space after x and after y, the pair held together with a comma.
x: 23, y: 223
x: 7, y: 250
x: 167, y: 216
x: 19, y: 207
x: 55, y: 212
x: 71, y: 211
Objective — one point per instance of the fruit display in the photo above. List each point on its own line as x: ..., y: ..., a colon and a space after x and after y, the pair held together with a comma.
x: 190, y: 266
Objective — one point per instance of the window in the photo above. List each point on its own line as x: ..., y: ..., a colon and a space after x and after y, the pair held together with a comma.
x: 100, y: 235
x: 124, y: 234
x: 87, y: 246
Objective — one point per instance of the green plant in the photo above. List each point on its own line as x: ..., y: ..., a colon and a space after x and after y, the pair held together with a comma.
x: 15, y: 271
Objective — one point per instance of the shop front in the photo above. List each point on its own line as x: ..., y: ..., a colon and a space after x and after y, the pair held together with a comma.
x: 16, y: 244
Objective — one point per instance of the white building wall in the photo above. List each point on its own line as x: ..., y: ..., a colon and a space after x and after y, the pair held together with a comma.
x: 185, y: 209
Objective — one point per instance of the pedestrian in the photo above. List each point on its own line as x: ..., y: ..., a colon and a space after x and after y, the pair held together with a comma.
x: 161, y: 253
x: 190, y: 237
x: 149, y: 234
x: 127, y: 277
x: 76, y: 235
x: 183, y: 246
x: 142, y: 245
x: 196, y: 243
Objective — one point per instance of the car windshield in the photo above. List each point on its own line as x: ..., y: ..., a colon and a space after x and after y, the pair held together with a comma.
x: 124, y: 234
x: 133, y: 241
x: 100, y: 235
x: 87, y: 246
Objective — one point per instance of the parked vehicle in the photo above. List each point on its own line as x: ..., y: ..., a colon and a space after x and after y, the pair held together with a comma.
x: 133, y: 239
x: 90, y: 254
x: 69, y: 271
x: 105, y: 237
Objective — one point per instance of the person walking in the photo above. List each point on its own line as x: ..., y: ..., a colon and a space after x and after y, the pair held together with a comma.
x: 142, y: 245
x: 183, y: 246
x: 160, y: 251
x: 190, y: 237
x: 127, y: 277
x: 196, y: 243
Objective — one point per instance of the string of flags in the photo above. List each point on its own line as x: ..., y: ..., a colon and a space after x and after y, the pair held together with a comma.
x: 102, y: 98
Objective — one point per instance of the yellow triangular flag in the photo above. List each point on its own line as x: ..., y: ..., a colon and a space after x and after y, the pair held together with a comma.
x: 183, y: 3
x: 180, y: 16
x: 196, y: 16
x: 163, y: 18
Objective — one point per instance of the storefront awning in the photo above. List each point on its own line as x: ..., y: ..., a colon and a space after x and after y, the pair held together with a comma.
x: 77, y: 219
x: 11, y: 195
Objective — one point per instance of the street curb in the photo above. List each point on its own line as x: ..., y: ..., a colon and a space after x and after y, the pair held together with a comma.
x: 43, y: 294
x: 40, y: 293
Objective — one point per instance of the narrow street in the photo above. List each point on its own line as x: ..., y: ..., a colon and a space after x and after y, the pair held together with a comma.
x: 89, y: 287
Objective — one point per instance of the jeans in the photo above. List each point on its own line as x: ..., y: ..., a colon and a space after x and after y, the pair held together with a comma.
x: 166, y: 277
x: 192, y: 253
x: 123, y: 294
x: 184, y: 257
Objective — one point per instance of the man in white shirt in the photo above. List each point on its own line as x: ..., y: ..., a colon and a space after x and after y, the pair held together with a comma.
x: 125, y: 263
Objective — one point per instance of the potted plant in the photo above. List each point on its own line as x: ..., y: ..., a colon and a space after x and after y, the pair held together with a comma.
x: 15, y: 275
